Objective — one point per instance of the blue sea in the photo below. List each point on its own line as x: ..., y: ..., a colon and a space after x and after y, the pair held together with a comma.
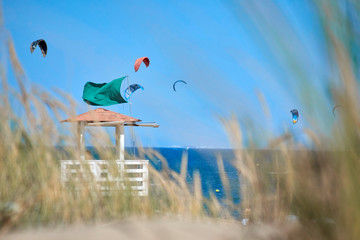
x: 204, y: 161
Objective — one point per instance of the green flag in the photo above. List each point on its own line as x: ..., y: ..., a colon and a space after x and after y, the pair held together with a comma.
x: 103, y: 94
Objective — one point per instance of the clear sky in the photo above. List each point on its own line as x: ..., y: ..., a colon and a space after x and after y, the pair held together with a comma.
x: 225, y: 52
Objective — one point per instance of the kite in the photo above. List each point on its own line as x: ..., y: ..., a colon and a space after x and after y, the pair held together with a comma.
x: 42, y: 46
x: 295, y: 115
x: 333, y: 111
x: 178, y: 82
x: 131, y: 89
x: 138, y: 62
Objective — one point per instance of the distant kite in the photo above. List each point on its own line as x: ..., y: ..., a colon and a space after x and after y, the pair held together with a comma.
x: 131, y: 89
x: 178, y: 82
x: 42, y: 46
x: 295, y: 115
x: 138, y: 62
x: 333, y: 111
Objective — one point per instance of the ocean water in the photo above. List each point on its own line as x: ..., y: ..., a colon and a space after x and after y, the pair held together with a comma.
x: 203, y: 161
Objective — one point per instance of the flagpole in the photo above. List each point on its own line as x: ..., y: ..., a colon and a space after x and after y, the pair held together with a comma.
x: 132, y: 128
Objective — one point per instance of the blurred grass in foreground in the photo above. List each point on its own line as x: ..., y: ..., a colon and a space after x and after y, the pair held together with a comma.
x: 319, y: 187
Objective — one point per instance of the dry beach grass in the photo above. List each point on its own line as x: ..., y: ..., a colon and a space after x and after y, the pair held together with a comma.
x: 319, y: 186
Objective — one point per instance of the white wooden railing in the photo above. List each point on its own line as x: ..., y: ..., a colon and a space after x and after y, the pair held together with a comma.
x: 121, y: 173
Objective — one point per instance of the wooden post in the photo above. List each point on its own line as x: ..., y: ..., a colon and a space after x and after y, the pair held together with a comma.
x: 120, y: 141
x: 81, y: 139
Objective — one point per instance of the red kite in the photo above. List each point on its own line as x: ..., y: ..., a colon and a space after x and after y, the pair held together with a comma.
x: 138, y: 62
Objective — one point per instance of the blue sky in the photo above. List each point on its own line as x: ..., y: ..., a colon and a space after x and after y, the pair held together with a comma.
x: 217, y: 47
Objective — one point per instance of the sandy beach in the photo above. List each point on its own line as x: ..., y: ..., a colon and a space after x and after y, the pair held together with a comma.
x: 155, y: 230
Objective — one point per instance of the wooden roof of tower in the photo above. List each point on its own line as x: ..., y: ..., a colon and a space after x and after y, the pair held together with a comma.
x: 102, y: 115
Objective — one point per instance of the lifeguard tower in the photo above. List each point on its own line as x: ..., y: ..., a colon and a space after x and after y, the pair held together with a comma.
x: 134, y: 172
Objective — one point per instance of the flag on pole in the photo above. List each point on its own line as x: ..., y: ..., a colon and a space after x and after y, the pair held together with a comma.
x: 103, y: 94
